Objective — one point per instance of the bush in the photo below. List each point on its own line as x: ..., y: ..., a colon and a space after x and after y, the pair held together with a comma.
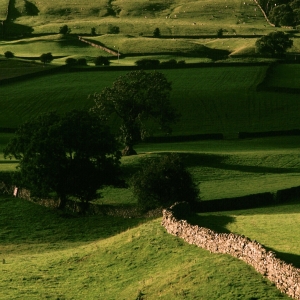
x: 146, y: 63
x: 162, y: 182
x: 101, y: 61
x: 156, y: 33
x: 71, y: 61
x: 113, y: 29
x: 9, y: 54
x: 64, y: 30
x: 170, y: 62
x: 81, y: 62
x: 46, y: 57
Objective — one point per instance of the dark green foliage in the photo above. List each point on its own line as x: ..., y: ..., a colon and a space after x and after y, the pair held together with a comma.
x: 31, y: 9
x: 81, y: 62
x: 93, y: 31
x: 71, y: 61
x: 101, y: 61
x: 9, y: 54
x: 220, y: 33
x: 71, y: 155
x: 274, y: 44
x: 64, y: 30
x: 136, y: 98
x: 162, y: 182
x: 282, y: 15
x: 46, y: 58
x: 170, y: 62
x: 146, y: 63
x: 113, y: 29
x: 156, y: 33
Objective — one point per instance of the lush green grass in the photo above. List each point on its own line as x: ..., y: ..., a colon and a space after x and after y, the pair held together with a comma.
x: 50, y: 256
x: 211, y: 100
x: 56, y: 44
x: 277, y: 227
x: 284, y: 76
x: 3, y: 9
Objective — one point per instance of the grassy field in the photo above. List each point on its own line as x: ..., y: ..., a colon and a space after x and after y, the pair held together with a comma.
x: 222, y: 169
x: 211, y: 100
x: 262, y: 224
x: 178, y: 17
x: 48, y: 255
x: 284, y: 76
x: 56, y: 44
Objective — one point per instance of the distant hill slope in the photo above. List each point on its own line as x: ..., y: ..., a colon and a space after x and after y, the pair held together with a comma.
x: 173, y: 17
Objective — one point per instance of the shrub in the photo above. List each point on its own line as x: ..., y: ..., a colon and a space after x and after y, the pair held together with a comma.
x: 162, y: 182
x: 81, y: 62
x: 46, y: 57
x: 101, y: 61
x: 71, y: 61
x: 147, y: 63
x: 170, y: 62
x: 156, y: 33
x: 64, y: 30
x: 9, y: 54
x: 113, y: 29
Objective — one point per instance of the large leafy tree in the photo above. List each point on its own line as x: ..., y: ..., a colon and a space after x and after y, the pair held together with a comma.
x: 274, y: 44
x: 135, y: 99
x: 282, y: 15
x: 163, y: 181
x: 70, y: 155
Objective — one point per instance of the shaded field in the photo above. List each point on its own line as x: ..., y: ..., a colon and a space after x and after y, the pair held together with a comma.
x: 221, y: 99
x: 284, y: 76
x: 13, y: 67
x: 51, y: 256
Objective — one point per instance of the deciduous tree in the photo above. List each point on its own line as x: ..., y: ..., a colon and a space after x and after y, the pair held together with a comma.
x: 164, y: 181
x: 136, y: 98
x: 70, y: 155
x: 46, y: 58
x: 275, y: 43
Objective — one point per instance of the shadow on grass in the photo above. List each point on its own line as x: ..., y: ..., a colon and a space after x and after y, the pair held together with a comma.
x: 215, y: 222
x: 289, y: 258
x: 23, y: 222
x: 217, y: 161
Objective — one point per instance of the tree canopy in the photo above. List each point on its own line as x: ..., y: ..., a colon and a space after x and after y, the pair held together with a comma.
x: 275, y: 43
x: 46, y: 58
x: 164, y: 181
x: 136, y: 98
x: 70, y: 155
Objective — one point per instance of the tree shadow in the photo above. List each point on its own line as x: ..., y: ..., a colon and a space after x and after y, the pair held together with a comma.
x: 289, y: 258
x: 214, y: 222
x: 217, y: 161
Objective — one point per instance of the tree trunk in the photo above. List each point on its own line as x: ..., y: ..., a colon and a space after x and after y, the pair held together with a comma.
x: 128, y: 150
x: 62, y: 202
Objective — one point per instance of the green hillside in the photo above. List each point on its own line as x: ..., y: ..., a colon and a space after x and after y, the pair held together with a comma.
x: 174, y: 17
x: 52, y: 256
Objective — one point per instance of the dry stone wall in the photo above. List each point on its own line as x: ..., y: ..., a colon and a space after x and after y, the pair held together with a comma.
x: 285, y: 276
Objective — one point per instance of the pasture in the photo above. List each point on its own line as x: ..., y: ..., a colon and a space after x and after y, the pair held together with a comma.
x: 211, y: 100
x: 262, y: 224
x: 179, y: 17
x: 48, y: 255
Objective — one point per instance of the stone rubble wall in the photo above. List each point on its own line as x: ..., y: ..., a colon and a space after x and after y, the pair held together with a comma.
x: 285, y: 276
x: 99, y: 46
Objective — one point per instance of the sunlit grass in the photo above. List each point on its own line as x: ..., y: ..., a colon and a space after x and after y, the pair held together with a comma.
x: 50, y: 256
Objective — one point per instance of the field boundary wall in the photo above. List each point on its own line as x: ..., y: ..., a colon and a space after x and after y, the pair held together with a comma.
x: 99, y: 46
x: 285, y: 276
